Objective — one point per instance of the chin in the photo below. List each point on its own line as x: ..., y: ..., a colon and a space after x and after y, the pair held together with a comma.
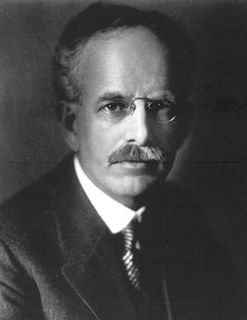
x: 135, y: 186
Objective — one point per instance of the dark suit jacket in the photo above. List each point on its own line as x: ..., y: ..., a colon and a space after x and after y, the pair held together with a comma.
x: 57, y: 259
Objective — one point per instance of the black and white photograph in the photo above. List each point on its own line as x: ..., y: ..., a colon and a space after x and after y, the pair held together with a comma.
x: 123, y: 161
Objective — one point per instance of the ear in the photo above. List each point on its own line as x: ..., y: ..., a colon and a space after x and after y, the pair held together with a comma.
x: 69, y: 125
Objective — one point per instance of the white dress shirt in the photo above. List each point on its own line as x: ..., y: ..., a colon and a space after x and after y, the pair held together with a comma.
x: 115, y: 215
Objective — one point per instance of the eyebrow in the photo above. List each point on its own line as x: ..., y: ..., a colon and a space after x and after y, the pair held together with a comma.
x: 169, y: 96
x: 116, y: 95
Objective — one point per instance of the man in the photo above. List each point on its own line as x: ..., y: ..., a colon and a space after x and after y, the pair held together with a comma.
x: 102, y: 237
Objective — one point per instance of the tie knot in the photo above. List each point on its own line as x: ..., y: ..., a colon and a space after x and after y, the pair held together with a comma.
x: 128, y: 235
x: 131, y: 237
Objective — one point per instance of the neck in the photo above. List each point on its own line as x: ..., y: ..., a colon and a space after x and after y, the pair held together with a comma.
x: 133, y: 203
x: 136, y: 202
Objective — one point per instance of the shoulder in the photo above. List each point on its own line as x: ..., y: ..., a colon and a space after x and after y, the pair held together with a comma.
x: 31, y: 209
x: 29, y: 247
x: 196, y: 265
x: 180, y: 215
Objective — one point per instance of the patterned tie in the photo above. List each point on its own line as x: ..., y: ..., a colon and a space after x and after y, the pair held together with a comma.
x: 128, y: 257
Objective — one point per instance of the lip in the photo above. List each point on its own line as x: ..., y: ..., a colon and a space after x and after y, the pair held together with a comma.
x: 138, y: 165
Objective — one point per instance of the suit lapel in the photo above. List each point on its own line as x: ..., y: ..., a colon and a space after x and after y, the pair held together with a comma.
x: 197, y: 276
x: 88, y: 260
x: 89, y: 267
x: 184, y: 255
x: 99, y: 284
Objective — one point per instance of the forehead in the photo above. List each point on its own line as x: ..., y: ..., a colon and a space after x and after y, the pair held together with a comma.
x: 131, y: 61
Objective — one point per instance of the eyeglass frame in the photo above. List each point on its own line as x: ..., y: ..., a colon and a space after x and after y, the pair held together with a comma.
x: 132, y: 107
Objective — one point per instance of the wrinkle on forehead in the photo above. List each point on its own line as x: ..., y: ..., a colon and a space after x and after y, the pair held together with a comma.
x: 135, y: 64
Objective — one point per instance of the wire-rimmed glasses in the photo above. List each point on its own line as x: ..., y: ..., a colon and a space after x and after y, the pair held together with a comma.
x: 121, y: 109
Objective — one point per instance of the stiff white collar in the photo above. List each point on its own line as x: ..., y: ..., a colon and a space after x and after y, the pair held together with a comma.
x: 115, y: 215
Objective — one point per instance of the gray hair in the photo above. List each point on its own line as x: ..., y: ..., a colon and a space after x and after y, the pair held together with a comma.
x: 102, y: 18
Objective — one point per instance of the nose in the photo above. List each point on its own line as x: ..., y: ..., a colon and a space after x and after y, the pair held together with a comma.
x: 138, y: 130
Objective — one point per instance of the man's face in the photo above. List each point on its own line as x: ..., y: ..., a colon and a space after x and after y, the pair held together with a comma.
x: 117, y: 67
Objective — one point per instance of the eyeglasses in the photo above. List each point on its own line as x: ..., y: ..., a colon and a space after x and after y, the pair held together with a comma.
x: 160, y: 111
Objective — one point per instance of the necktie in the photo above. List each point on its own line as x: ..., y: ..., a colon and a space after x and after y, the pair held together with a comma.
x: 128, y: 257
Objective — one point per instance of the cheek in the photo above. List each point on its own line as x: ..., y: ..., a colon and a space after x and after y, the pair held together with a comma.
x: 97, y: 142
x: 166, y: 138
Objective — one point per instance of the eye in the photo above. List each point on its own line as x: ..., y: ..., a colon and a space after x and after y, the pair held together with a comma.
x: 159, y: 105
x: 162, y: 110
x: 114, y: 107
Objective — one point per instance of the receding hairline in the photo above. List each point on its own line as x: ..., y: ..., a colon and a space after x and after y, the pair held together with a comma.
x: 119, y: 31
x: 115, y: 33
x: 107, y: 36
x: 112, y: 21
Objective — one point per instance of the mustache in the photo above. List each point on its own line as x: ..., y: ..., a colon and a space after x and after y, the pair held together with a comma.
x: 135, y: 153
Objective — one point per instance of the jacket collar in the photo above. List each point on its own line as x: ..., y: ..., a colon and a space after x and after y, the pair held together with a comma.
x: 89, y: 266
x: 88, y: 261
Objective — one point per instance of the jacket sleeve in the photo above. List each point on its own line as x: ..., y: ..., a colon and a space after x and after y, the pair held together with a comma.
x: 17, y: 290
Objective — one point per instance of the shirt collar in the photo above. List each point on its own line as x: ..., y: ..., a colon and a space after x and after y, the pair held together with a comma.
x: 115, y: 215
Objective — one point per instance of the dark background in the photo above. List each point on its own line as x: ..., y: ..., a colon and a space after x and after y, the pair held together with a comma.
x: 212, y: 161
